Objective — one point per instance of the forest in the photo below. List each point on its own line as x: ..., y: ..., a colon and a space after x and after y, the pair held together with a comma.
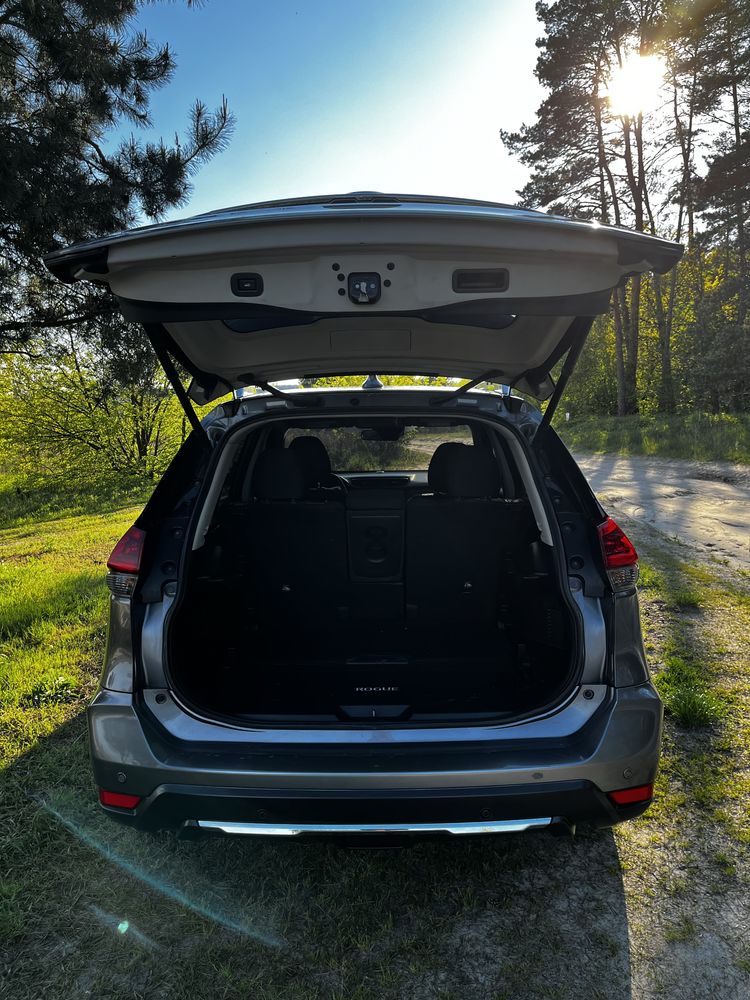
x: 645, y: 123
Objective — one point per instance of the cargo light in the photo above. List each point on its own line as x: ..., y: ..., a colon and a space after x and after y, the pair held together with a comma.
x: 630, y: 796
x: 120, y: 800
x: 620, y: 557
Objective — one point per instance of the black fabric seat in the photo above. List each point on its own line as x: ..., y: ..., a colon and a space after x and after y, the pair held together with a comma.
x: 457, y: 541
x: 296, y: 548
x: 316, y: 467
x: 437, y: 470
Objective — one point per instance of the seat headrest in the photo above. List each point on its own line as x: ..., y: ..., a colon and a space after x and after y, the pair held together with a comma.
x: 472, y: 472
x: 437, y: 470
x: 278, y: 475
x: 313, y: 457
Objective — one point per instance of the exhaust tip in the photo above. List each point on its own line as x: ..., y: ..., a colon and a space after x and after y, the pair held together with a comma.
x: 561, y: 827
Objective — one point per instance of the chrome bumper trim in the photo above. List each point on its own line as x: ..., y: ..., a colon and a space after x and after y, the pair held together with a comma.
x: 295, y: 829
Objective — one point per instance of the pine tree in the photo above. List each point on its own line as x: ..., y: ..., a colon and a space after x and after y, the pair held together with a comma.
x: 71, y: 73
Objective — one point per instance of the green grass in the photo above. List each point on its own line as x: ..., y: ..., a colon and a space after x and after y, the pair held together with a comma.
x: 686, y: 694
x: 698, y: 436
x: 52, y: 620
x: 25, y: 500
x: 698, y: 639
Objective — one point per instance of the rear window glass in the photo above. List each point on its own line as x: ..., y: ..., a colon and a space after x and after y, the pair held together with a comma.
x: 353, y: 450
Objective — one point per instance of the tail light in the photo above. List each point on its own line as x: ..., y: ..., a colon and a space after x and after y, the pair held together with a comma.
x: 620, y: 557
x: 631, y: 796
x: 120, y: 800
x: 126, y: 555
x: 124, y: 564
x: 125, y: 561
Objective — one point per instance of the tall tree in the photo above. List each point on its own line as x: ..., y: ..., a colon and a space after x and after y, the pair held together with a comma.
x: 588, y: 157
x: 725, y: 91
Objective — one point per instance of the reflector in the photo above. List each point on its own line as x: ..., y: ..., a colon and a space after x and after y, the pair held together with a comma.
x: 118, y: 799
x: 629, y: 796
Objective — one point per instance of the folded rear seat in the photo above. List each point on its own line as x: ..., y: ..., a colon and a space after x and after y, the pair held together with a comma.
x: 296, y: 547
x: 457, y: 541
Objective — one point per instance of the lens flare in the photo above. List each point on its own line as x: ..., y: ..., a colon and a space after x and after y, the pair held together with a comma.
x: 635, y: 87
x: 122, y: 927
x: 156, y: 883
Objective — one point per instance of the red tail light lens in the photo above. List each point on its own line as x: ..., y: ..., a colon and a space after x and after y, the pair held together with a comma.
x: 620, y: 557
x: 126, y: 555
x: 118, y: 799
x: 630, y: 796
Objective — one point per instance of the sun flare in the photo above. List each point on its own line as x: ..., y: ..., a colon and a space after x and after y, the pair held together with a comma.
x: 633, y: 88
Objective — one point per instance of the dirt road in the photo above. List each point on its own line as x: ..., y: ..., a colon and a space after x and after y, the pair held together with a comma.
x: 704, y: 505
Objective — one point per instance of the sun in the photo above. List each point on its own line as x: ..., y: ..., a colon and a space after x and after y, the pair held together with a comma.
x: 634, y: 88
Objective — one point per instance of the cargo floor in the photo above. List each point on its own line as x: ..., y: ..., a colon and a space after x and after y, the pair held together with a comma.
x: 390, y: 676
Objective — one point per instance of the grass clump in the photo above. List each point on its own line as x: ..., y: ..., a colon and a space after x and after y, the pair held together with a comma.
x: 686, y: 694
x: 687, y: 597
x: 57, y: 691
x: 683, y: 930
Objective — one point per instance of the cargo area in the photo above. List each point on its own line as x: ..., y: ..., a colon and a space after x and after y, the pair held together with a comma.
x: 383, y: 573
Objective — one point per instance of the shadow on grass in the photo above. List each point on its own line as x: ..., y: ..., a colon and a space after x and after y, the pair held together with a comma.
x: 52, y: 599
x: 31, y: 503
x: 97, y: 909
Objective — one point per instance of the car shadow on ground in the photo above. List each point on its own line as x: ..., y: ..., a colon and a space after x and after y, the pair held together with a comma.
x: 96, y: 909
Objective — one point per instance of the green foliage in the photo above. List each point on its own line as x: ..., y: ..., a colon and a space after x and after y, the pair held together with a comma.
x: 355, y: 381
x: 83, y: 404
x: 80, y: 415
x: 678, y: 169
x: 70, y: 71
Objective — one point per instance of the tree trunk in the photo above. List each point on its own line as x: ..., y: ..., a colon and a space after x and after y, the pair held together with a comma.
x: 632, y: 334
x: 619, y: 356
x: 739, y: 207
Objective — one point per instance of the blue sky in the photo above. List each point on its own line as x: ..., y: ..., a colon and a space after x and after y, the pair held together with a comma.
x: 335, y: 96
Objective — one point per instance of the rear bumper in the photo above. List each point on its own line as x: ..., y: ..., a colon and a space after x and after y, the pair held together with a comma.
x: 306, y: 789
x: 416, y: 811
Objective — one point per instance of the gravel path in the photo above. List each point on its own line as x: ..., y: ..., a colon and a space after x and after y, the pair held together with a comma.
x: 703, y: 504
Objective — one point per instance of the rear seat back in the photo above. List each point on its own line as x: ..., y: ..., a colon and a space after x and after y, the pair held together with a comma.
x: 296, y: 547
x: 457, y: 540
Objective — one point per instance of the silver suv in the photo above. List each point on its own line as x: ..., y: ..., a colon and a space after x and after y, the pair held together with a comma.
x: 375, y: 609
